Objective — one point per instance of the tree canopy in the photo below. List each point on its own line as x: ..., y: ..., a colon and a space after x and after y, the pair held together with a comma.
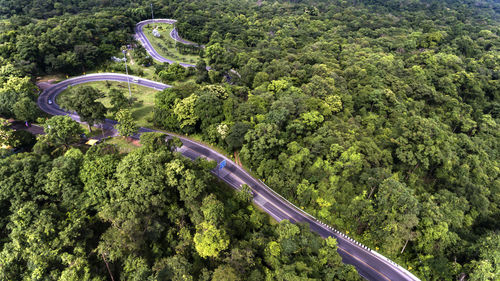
x: 380, y: 118
x: 150, y: 214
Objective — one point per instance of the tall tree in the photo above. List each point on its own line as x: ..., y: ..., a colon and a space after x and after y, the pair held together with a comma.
x: 397, y: 215
x: 126, y: 125
x: 6, y: 133
x: 118, y: 100
x: 201, y: 71
x: 209, y: 240
x: 26, y: 109
x: 185, y: 112
x: 86, y: 105
x: 61, y: 130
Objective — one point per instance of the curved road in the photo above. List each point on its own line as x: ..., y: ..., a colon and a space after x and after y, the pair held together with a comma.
x: 175, y: 35
x: 361, y: 256
x: 141, y: 37
x: 369, y: 263
x: 52, y: 92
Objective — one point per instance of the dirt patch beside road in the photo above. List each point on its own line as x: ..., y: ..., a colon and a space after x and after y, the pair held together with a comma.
x: 42, y: 85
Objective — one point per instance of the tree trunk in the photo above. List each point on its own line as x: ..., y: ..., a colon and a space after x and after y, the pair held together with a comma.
x: 107, y: 266
x: 404, y: 247
x: 90, y: 128
x: 411, y: 172
x: 371, y: 192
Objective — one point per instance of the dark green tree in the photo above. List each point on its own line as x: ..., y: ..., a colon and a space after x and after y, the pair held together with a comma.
x: 86, y: 105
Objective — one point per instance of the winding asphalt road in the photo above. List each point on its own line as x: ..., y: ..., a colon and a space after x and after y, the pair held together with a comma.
x: 51, y: 93
x: 141, y: 37
x: 370, y: 264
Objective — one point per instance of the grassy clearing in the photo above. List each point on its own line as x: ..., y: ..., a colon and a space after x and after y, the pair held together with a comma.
x: 96, y: 132
x: 142, y: 71
x: 133, y: 68
x: 123, y: 145
x: 142, y: 107
x: 165, y: 45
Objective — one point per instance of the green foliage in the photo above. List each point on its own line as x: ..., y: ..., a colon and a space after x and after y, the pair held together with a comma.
x: 98, y: 167
x: 380, y: 118
x: 61, y: 130
x: 201, y: 71
x: 66, y: 43
x: 142, y: 57
x: 163, y: 110
x: 487, y: 268
x: 17, y: 98
x: 210, y: 241
x: 185, y: 112
x: 172, y: 72
x: 24, y: 139
x: 401, y: 209
x: 235, y: 138
x: 225, y: 273
x: 147, y: 215
x: 208, y: 108
x: 85, y: 103
x: 118, y: 100
x: 6, y: 133
x: 213, y: 210
x: 126, y: 126
x: 26, y: 109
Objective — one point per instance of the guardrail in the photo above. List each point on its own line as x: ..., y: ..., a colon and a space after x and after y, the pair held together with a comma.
x: 170, y: 21
x: 375, y: 253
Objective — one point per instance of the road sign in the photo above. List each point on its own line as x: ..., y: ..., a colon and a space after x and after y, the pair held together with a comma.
x: 222, y: 164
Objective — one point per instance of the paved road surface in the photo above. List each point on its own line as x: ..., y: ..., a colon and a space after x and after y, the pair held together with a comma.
x: 175, y: 35
x: 369, y: 264
x: 32, y: 128
x: 141, y: 37
x: 52, y: 92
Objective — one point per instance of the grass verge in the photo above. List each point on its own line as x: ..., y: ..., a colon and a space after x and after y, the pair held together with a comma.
x: 165, y: 45
x: 143, y: 97
x: 123, y: 145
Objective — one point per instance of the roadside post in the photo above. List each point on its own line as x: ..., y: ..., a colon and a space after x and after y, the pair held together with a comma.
x: 128, y: 80
x: 152, y: 15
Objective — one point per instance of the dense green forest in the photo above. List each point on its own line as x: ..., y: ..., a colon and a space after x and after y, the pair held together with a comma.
x: 43, y: 9
x: 381, y: 118
x: 147, y: 215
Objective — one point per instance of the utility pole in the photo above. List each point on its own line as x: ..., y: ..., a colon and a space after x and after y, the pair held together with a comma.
x: 152, y: 15
x: 128, y: 80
